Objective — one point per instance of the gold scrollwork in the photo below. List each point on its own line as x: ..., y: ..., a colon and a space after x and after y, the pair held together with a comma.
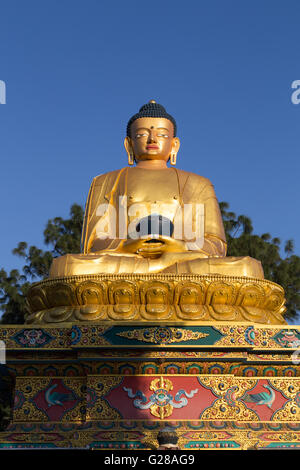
x: 101, y: 409
x: 162, y: 335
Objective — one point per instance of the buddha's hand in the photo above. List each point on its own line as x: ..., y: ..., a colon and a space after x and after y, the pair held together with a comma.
x: 153, y: 247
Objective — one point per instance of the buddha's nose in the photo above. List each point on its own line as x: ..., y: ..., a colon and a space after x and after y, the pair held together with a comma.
x: 152, y: 137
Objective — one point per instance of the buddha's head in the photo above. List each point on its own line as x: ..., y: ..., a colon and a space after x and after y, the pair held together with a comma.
x: 151, y: 135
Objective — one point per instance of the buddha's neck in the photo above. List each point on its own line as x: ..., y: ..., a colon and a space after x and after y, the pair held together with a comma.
x: 152, y: 165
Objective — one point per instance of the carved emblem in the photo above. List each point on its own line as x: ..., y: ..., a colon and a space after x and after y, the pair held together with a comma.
x: 161, y: 403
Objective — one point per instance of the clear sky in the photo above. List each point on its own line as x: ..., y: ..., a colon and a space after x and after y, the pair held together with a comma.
x: 75, y: 71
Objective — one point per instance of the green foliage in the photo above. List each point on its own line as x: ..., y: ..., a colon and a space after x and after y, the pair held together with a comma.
x: 63, y: 236
x: 285, y: 271
x: 13, y: 289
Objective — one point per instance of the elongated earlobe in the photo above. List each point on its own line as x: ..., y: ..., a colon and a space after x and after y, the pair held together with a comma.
x: 173, y: 158
x: 129, y: 151
x: 130, y: 159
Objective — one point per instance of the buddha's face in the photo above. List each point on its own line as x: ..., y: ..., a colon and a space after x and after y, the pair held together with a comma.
x: 152, y: 139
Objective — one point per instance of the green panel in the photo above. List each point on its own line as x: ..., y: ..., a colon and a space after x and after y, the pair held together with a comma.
x: 162, y: 335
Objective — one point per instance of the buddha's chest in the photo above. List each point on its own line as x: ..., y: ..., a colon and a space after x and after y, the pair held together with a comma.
x: 153, y: 186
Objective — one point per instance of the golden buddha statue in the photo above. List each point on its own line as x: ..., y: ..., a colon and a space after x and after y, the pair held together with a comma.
x: 119, y: 201
x: 153, y: 247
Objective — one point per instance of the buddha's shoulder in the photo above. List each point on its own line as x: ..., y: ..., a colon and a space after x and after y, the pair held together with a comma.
x: 184, y: 176
x: 193, y: 178
x: 110, y: 175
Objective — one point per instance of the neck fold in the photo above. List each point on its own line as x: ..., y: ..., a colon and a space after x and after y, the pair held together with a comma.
x: 152, y: 165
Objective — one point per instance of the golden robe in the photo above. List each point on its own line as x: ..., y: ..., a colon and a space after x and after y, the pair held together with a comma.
x: 164, y: 192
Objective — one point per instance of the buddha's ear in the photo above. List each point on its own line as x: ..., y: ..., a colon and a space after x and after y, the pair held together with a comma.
x: 128, y: 145
x: 174, y: 151
x: 129, y: 150
x: 175, y: 145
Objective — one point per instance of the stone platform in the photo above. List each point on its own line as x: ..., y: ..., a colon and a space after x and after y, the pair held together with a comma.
x: 107, y: 361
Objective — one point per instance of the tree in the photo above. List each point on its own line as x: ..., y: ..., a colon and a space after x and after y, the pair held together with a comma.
x: 13, y: 289
x: 285, y: 271
x: 63, y: 236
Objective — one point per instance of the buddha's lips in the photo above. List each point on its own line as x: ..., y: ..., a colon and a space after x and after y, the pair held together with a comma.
x: 152, y: 147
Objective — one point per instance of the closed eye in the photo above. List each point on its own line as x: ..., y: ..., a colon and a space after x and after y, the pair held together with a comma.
x: 140, y: 135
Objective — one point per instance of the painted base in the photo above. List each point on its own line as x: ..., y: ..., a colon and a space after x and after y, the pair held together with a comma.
x: 115, y: 385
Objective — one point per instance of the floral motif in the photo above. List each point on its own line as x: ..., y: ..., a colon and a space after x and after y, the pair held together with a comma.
x: 288, y: 338
x: 91, y: 397
x: 230, y: 395
x: 75, y: 335
x: 250, y: 335
x: 32, y: 338
x: 19, y: 400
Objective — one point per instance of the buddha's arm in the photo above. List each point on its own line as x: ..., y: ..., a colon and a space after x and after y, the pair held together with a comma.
x: 85, y: 227
x: 214, y: 235
x: 213, y: 241
x: 100, y: 219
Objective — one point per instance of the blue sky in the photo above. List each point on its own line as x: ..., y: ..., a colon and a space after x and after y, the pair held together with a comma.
x: 75, y: 71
